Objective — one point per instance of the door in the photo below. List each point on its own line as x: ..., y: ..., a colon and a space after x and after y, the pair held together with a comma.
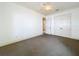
x: 62, y: 25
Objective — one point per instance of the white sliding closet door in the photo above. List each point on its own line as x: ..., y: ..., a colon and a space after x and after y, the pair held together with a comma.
x: 62, y: 25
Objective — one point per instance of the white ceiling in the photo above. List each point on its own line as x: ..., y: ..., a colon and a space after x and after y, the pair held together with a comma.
x: 36, y: 6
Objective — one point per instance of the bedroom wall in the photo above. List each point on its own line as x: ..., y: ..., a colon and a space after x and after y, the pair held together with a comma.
x: 18, y: 23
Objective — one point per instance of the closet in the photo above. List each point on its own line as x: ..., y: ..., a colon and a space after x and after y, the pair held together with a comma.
x: 59, y: 25
x: 65, y: 24
x: 62, y: 25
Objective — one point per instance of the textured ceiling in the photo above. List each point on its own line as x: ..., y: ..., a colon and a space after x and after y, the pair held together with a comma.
x: 59, y: 6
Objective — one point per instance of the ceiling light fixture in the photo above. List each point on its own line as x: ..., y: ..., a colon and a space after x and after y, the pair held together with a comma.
x: 46, y: 7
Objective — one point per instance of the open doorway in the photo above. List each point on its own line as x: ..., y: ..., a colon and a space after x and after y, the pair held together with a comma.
x: 44, y: 24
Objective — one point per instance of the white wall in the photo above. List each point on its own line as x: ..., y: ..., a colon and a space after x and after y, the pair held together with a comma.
x: 49, y: 24
x: 18, y: 23
x: 74, y: 24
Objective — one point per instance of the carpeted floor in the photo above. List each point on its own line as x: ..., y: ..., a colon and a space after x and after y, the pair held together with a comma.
x: 44, y: 45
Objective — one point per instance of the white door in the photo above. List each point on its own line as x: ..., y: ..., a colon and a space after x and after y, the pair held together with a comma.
x: 62, y: 25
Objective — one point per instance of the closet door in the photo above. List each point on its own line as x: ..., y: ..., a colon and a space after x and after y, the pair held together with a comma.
x: 62, y: 25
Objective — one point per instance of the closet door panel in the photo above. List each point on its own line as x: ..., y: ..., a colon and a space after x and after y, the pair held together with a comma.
x: 62, y: 25
x: 52, y: 25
